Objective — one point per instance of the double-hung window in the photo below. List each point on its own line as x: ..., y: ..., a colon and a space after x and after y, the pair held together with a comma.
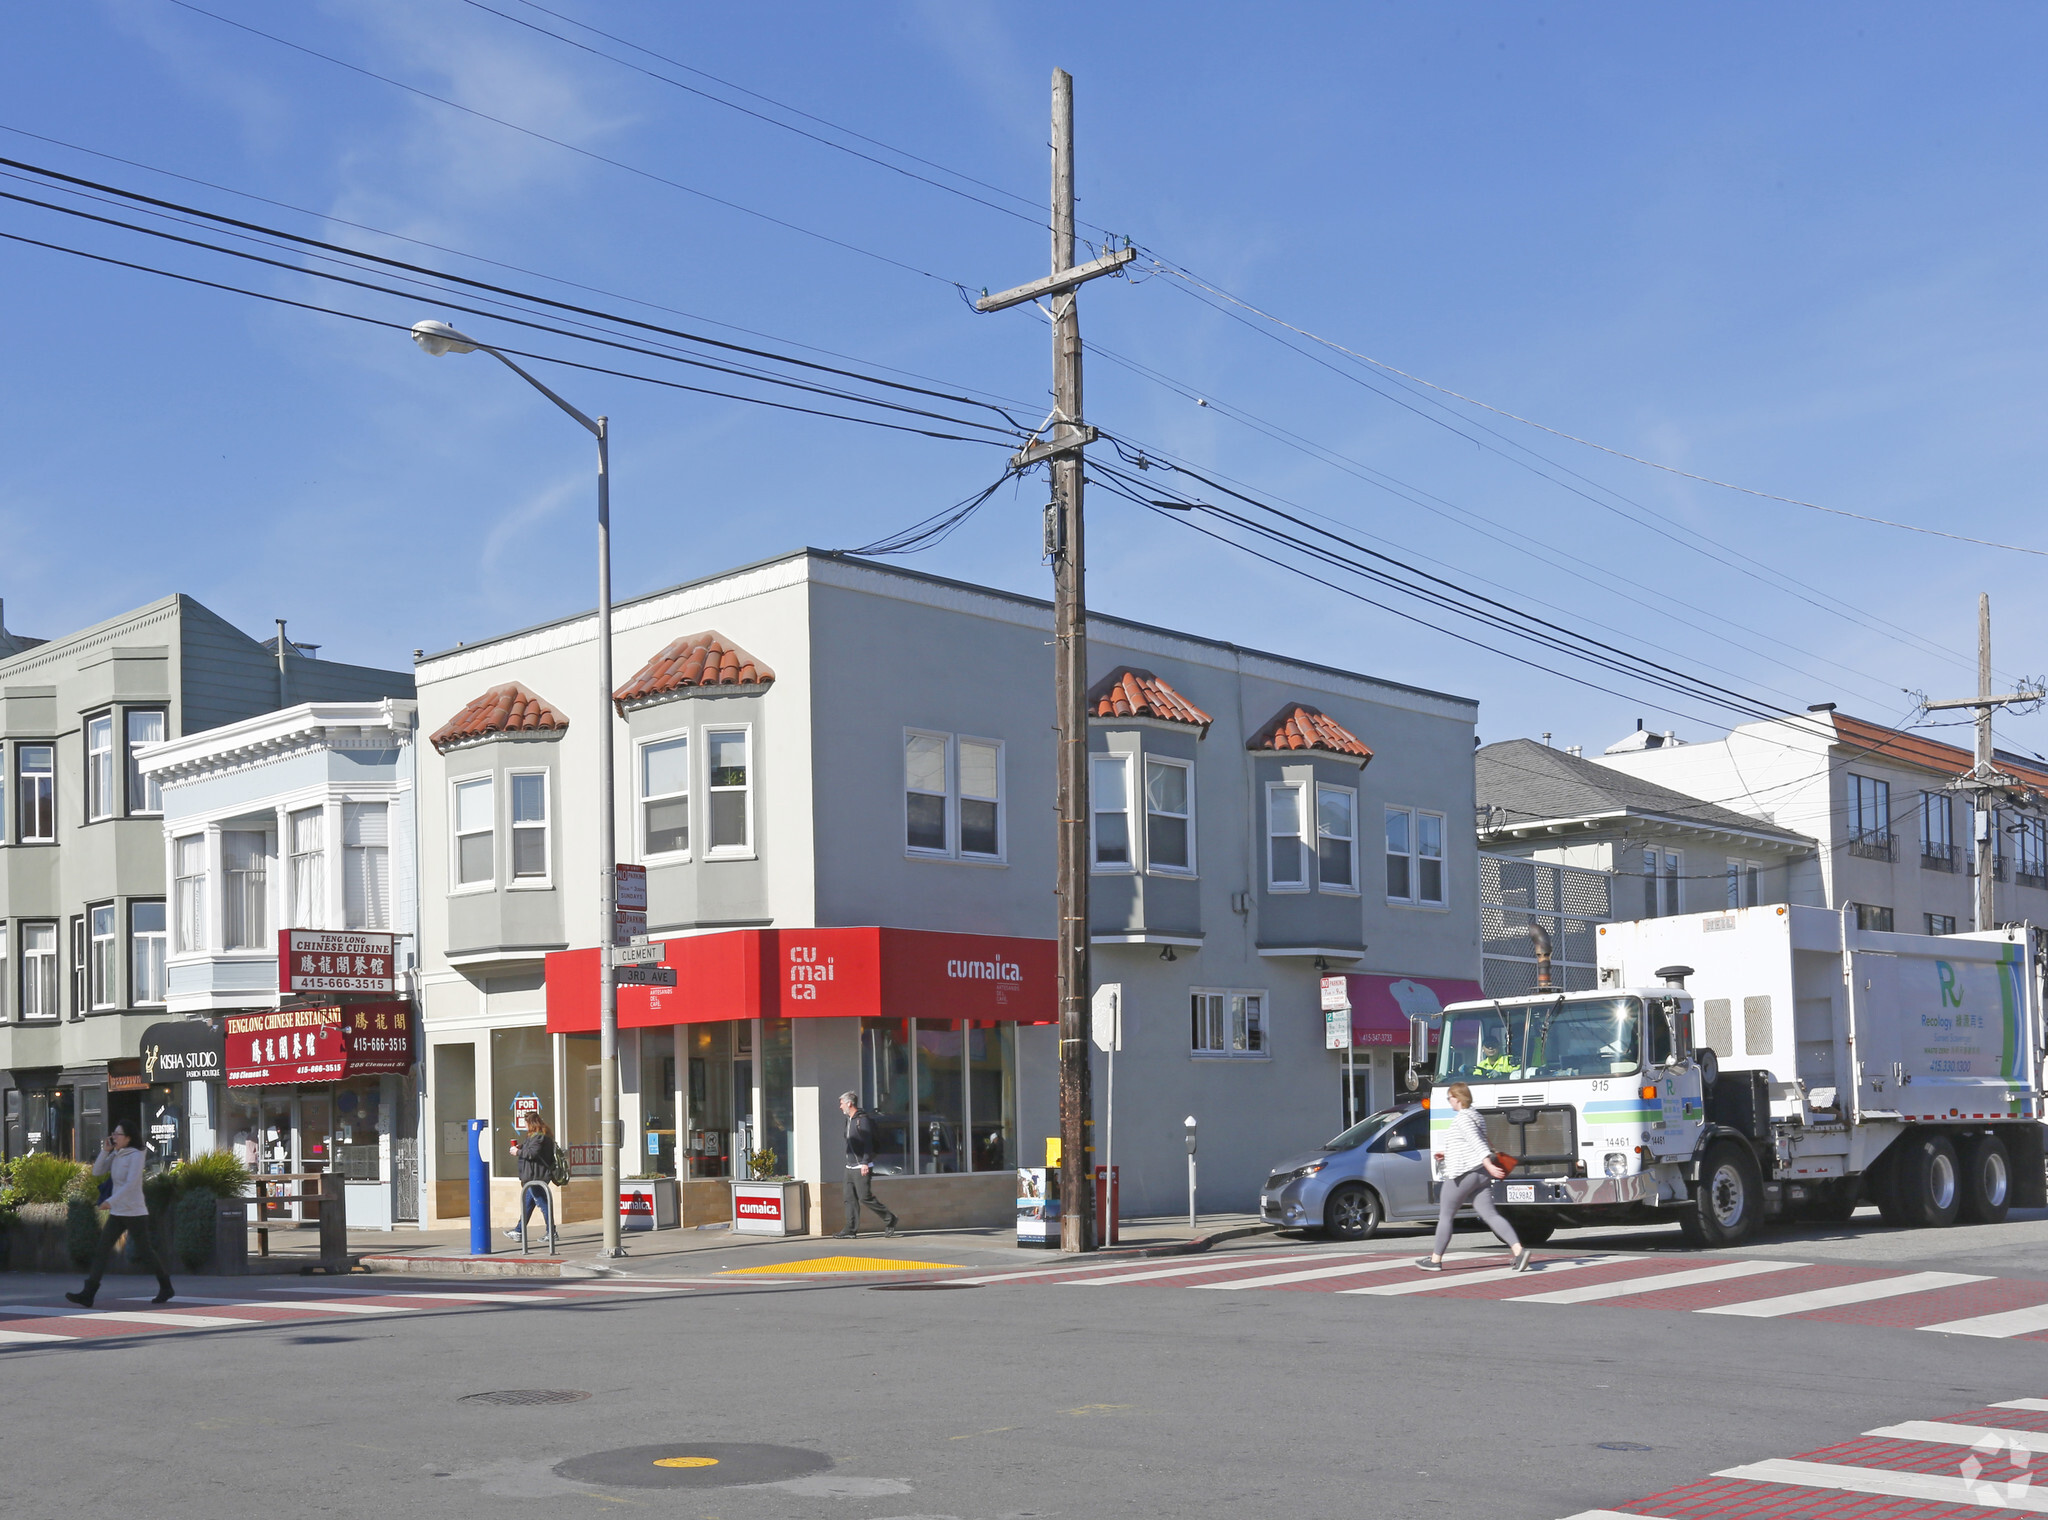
x: 953, y: 797
x: 925, y: 793
x: 1660, y: 883
x: 145, y: 794
x: 476, y: 859
x: 306, y: 839
x: 146, y: 952
x: 1109, y: 800
x: 1286, y: 843
x: 245, y: 889
x: 366, y: 865
x: 1745, y: 883
x: 665, y: 796
x: 530, y: 827
x: 188, y: 891
x: 730, y: 791
x: 39, y: 979
x: 104, y: 967
x: 1228, y: 1023
x: 35, y: 794
x: 1169, y: 816
x: 1415, y: 857
x: 99, y: 766
x: 1870, y: 815
x: 1937, y: 829
x: 981, y: 798
x: 1337, y: 838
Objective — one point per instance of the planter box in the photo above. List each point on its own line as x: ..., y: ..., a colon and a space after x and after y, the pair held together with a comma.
x: 769, y: 1208
x: 648, y: 1204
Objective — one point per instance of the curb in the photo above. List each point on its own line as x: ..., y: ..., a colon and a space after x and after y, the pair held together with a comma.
x: 475, y: 1266
x: 1193, y: 1247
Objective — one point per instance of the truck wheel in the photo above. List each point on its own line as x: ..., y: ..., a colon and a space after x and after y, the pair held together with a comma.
x: 1884, y: 1184
x: 1987, y: 1181
x: 1928, y: 1179
x: 1728, y: 1205
x: 1353, y: 1213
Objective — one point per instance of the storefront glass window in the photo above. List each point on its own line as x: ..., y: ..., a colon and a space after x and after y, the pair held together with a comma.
x: 581, y: 1091
x: 992, y: 1091
x: 778, y: 1108
x: 454, y: 1095
x: 522, y: 1078
x: 941, y: 1112
x: 885, y: 1090
x: 359, y: 1120
x: 707, y: 1112
x: 657, y: 1102
x: 163, y: 1115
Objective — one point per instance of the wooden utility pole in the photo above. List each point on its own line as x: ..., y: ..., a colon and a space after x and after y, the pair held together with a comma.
x: 1986, y: 785
x: 1064, y: 544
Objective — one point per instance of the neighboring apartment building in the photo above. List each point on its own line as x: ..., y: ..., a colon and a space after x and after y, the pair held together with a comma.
x: 83, y: 919
x: 296, y: 819
x: 1894, y: 839
x: 838, y: 777
x: 1670, y: 851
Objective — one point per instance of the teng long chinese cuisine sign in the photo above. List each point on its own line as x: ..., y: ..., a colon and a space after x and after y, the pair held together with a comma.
x: 821, y: 974
x: 323, y: 961
x: 319, y: 1044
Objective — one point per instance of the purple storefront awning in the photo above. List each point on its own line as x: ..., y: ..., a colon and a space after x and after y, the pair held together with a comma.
x: 1381, y: 1006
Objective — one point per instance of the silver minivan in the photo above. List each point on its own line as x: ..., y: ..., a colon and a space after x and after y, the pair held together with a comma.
x: 1375, y: 1173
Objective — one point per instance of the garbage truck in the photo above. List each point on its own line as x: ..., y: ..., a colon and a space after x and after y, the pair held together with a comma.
x: 1777, y: 1061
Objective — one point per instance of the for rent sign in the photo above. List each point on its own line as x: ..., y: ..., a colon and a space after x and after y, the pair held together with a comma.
x: 319, y: 960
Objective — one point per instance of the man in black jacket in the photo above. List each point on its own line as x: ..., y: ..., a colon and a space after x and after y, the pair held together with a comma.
x: 860, y: 1168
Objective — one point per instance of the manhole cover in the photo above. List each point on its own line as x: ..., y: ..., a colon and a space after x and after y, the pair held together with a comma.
x: 918, y: 1287
x: 693, y: 1464
x: 527, y: 1396
x: 1621, y: 1445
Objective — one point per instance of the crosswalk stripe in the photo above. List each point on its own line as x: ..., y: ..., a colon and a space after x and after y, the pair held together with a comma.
x: 178, y: 1321
x: 1932, y: 1487
x: 1349, y: 1269
x: 1107, y: 1266
x: 1998, y: 1327
x: 2035, y: 1404
x: 315, y: 1306
x: 1848, y: 1293
x: 1964, y: 1435
x: 437, y: 1296
x: 1611, y: 1514
x: 610, y: 1288
x: 1587, y: 1293
x: 32, y: 1335
x: 1444, y: 1280
x: 42, y: 1311
x: 1186, y: 1270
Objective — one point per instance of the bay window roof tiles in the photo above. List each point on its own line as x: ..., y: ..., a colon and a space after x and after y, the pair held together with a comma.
x: 507, y: 709
x: 1132, y: 693
x: 694, y: 662
x: 1297, y: 726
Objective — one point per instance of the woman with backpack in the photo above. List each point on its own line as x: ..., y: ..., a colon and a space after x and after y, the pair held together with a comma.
x: 536, y: 1151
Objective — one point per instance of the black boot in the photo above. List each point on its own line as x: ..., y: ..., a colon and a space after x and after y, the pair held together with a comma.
x: 163, y: 1291
x: 84, y: 1297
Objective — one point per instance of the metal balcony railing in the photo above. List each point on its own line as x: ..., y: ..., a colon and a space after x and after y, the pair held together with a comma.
x: 1873, y: 845
x: 1940, y: 857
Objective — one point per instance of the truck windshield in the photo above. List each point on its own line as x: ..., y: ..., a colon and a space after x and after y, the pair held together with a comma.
x: 1592, y: 1037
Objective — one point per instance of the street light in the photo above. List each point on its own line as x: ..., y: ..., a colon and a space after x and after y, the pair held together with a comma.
x: 438, y: 338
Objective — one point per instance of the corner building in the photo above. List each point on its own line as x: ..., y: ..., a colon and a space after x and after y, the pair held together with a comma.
x: 837, y: 777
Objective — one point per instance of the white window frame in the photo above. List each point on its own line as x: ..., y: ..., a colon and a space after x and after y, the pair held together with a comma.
x: 546, y: 879
x: 188, y: 905
x: 456, y: 834
x: 1187, y: 767
x: 103, y: 963
x: 944, y: 849
x: 744, y: 851
x: 47, y: 784
x: 53, y: 982
x: 1745, y: 883
x: 641, y: 797
x: 150, y: 803
x: 1338, y: 890
x: 1096, y: 865
x: 306, y: 867
x: 957, y: 804
x: 6, y: 972
x: 1415, y: 857
x: 339, y: 912
x: 263, y: 901
x: 99, y: 767
x: 1301, y: 836
x: 1233, y: 1006
x: 137, y: 939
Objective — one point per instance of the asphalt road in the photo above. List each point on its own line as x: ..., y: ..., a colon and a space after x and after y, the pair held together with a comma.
x: 987, y: 1402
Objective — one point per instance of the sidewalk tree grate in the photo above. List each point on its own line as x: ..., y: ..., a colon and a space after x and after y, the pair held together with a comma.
x: 693, y: 1464
x: 527, y: 1396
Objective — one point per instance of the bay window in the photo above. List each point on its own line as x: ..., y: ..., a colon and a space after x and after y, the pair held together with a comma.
x: 1286, y: 855
x: 1169, y: 823
x: 530, y: 827
x: 188, y: 891
x: 730, y: 789
x: 306, y: 832
x: 99, y: 766
x: 665, y: 797
x: 103, y: 969
x: 366, y: 865
x: 476, y: 862
x: 35, y: 794
x: 39, y: 971
x: 245, y: 888
x: 1336, y: 838
x: 1109, y: 799
x: 145, y: 794
x: 146, y: 952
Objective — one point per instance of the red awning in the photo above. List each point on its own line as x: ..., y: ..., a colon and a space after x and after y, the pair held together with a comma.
x: 319, y: 1044
x: 1381, y: 1006
x: 820, y: 974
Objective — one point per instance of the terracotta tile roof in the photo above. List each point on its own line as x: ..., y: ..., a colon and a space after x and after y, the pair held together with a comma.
x: 507, y: 709
x: 1928, y: 754
x: 1299, y: 726
x: 1133, y: 693
x: 694, y: 661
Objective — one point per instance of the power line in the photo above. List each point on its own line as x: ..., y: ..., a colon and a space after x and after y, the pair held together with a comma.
x: 932, y: 531
x: 538, y: 136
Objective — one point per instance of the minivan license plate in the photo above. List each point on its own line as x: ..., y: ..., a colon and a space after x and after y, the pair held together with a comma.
x: 1521, y: 1192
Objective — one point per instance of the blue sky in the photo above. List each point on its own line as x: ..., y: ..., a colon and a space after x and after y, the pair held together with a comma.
x: 1795, y: 248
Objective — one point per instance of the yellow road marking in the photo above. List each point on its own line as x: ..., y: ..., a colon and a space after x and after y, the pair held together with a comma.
x: 686, y: 1461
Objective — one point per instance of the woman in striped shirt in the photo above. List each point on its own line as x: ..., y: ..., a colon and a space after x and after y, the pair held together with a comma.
x: 1469, y: 1170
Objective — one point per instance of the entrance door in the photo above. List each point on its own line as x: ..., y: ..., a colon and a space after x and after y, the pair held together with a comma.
x: 316, y: 1138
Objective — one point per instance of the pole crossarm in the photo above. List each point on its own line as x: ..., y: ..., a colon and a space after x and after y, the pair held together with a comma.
x: 1053, y: 284
x: 1051, y: 448
x: 2004, y: 701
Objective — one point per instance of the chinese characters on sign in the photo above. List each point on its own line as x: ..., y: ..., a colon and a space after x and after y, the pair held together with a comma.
x: 319, y: 1044
x: 319, y: 960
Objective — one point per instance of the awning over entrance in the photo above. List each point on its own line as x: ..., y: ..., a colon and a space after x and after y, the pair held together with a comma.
x: 820, y: 974
x: 319, y: 1044
x: 1381, y: 1006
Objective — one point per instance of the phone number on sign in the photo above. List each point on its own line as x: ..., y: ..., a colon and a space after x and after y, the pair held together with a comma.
x: 381, y: 1043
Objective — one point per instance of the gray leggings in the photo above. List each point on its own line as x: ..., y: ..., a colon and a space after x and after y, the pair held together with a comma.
x: 1475, y: 1188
